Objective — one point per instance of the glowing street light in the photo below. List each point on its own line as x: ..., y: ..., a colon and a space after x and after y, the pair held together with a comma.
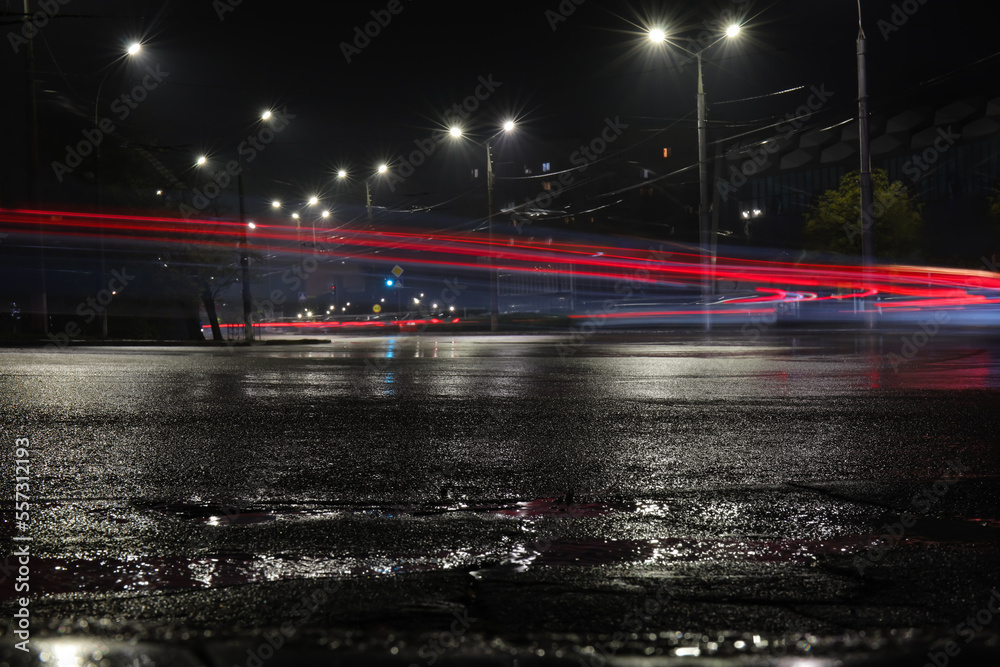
x: 456, y: 132
x: 244, y: 251
x: 132, y: 50
x: 658, y: 35
x: 508, y: 127
x: 382, y: 168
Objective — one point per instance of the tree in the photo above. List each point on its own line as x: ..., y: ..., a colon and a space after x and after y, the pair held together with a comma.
x: 834, y: 224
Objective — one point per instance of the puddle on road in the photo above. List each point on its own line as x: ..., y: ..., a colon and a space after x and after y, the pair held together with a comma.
x: 147, y: 573
x: 216, y: 513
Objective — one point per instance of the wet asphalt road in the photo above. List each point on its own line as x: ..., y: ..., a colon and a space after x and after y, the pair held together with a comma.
x: 428, y: 497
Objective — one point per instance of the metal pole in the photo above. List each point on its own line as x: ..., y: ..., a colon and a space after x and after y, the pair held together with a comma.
x: 245, y: 263
x: 494, y: 282
x: 34, y: 185
x: 867, y: 219
x: 703, y: 222
x: 100, y: 207
x: 368, y: 200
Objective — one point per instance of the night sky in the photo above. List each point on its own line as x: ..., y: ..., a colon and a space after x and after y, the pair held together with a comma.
x: 558, y: 73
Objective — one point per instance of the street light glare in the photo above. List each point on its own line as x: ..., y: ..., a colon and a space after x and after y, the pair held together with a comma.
x: 382, y: 168
x: 508, y: 126
x: 134, y: 48
x: 342, y: 173
x: 455, y: 131
x: 326, y: 214
x: 732, y: 30
x: 313, y: 200
x: 266, y: 115
x: 276, y: 204
x: 657, y: 35
x: 202, y: 160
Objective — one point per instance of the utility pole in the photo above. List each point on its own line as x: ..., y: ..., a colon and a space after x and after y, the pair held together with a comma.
x: 703, y: 215
x: 245, y: 263
x: 494, y: 282
x: 867, y: 219
x: 41, y: 308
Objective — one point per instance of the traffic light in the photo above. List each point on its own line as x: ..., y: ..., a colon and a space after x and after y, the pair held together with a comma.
x: 389, y: 282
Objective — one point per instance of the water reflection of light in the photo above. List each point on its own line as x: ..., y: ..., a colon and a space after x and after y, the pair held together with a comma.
x: 204, y: 570
x: 522, y: 556
x: 390, y: 376
x: 66, y: 655
x: 651, y: 507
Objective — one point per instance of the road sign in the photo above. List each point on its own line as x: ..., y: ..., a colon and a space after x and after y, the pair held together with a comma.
x: 397, y: 270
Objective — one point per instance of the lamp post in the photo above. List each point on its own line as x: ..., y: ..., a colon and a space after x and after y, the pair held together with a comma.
x: 133, y: 49
x: 707, y: 256
x: 244, y: 244
x: 867, y: 219
x: 382, y: 168
x: 508, y: 126
x: 342, y: 174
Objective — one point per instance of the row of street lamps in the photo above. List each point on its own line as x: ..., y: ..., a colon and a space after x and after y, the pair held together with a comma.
x: 455, y: 132
x: 656, y: 35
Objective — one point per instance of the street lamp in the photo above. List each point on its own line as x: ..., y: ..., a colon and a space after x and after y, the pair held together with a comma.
x: 296, y: 215
x: 133, y: 49
x: 245, y: 243
x: 867, y: 216
x: 382, y: 168
x: 508, y: 126
x: 658, y: 35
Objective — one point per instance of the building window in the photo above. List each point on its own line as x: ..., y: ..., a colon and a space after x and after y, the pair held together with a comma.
x: 475, y: 173
x: 546, y: 167
x: 547, y: 186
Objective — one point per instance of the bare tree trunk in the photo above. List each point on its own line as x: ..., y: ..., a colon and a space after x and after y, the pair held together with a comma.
x: 208, y: 299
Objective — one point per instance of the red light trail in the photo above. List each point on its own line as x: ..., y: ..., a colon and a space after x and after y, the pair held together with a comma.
x: 901, y: 287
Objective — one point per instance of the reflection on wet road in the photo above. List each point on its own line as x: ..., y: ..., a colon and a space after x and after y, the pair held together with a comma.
x: 751, y: 476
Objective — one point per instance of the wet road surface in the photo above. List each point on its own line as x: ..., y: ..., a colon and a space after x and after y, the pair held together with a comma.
x: 428, y: 498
